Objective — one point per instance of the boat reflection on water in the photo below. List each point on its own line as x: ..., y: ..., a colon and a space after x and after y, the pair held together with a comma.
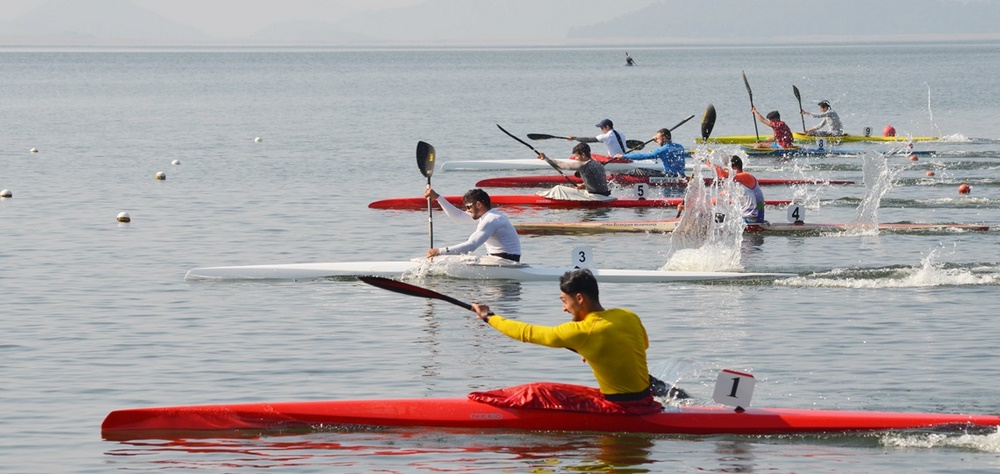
x: 392, y: 449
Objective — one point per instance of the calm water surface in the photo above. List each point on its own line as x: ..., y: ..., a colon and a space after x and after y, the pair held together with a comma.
x: 97, y: 315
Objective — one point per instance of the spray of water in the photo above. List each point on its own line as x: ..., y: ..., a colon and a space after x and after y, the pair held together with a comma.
x: 710, y: 231
x: 879, y: 179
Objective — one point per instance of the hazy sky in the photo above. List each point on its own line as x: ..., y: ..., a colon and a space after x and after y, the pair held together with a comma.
x: 234, y: 18
x: 491, y: 21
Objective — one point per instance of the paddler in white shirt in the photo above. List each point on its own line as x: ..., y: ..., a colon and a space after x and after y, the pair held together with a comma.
x: 493, y: 228
x: 613, y: 139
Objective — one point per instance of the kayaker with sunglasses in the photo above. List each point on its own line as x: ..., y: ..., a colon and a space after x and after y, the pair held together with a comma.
x: 493, y: 228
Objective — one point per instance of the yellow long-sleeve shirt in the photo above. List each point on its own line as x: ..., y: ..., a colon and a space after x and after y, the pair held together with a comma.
x: 613, y: 342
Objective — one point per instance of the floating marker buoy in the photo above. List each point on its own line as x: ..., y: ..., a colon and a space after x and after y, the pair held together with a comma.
x: 964, y: 188
x: 930, y: 173
x: 33, y: 150
x: 161, y: 175
x: 123, y: 217
x: 914, y: 158
x: 6, y: 193
x: 256, y: 140
x: 175, y: 162
x: 889, y: 131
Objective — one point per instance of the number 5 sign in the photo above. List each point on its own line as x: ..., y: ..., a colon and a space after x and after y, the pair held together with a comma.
x: 734, y: 389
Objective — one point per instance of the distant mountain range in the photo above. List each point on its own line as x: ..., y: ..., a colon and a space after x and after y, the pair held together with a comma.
x: 116, y: 22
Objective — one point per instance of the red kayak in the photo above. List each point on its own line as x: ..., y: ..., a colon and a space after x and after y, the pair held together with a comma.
x: 629, y: 180
x: 167, y: 422
x: 533, y: 200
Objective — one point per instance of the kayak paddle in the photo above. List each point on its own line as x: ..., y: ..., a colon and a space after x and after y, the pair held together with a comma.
x: 632, y: 144
x: 547, y: 159
x: 799, y: 98
x: 707, y: 124
x: 659, y: 387
x: 425, y: 161
x: 747, y: 83
x: 411, y: 290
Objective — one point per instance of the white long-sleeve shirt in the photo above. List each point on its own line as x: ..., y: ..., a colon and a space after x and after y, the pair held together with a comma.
x: 492, y: 228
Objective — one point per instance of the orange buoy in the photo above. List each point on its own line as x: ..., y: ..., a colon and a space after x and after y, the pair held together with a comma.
x: 889, y: 131
x: 914, y: 158
x: 964, y: 188
x: 930, y: 173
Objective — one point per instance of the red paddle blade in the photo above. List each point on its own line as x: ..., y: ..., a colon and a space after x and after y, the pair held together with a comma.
x: 411, y: 290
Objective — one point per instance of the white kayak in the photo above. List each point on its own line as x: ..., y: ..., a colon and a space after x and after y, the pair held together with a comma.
x: 469, y: 267
x: 536, y: 164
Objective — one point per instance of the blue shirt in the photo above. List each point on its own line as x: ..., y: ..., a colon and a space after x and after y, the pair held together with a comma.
x: 671, y: 155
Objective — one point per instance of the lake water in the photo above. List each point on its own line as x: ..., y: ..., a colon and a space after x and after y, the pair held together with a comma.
x: 97, y: 315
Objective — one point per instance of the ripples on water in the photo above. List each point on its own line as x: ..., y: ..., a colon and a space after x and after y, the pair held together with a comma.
x: 97, y: 315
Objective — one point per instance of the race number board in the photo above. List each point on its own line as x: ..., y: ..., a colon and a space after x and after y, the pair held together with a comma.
x: 734, y: 388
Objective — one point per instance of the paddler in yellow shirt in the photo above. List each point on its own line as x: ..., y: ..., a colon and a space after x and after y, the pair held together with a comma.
x: 612, y: 341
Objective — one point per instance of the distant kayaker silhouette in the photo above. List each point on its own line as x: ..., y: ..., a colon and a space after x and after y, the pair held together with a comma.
x: 628, y: 60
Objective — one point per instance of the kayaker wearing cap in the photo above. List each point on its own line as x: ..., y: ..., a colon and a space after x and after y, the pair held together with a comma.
x: 493, y: 228
x: 610, y: 137
x: 670, y: 154
x: 752, y: 201
x: 782, y: 134
x: 612, y: 341
x: 830, y: 126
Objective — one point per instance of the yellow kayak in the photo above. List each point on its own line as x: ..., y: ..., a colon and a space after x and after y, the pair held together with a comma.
x: 846, y: 138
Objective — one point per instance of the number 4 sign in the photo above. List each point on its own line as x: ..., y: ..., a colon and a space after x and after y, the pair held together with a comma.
x: 734, y: 389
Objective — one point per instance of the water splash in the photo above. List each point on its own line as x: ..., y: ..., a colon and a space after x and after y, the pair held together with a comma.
x: 988, y: 443
x: 710, y: 232
x: 879, y: 179
x: 929, y: 273
x: 930, y: 112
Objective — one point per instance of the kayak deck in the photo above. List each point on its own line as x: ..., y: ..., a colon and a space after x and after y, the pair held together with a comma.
x: 468, y: 267
x: 669, y: 225
x: 629, y: 180
x: 846, y: 138
x: 534, y: 200
x: 167, y: 422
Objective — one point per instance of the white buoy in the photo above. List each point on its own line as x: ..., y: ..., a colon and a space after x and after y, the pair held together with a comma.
x: 175, y: 162
x: 124, y: 217
x: 6, y: 193
x: 161, y: 175
x: 257, y: 140
x: 33, y: 150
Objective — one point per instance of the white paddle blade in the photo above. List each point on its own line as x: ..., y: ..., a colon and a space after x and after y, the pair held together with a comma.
x: 796, y: 214
x: 733, y: 388
x: 582, y: 256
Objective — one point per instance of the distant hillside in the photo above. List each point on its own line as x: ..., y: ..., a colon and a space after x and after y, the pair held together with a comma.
x: 76, y: 21
x: 776, y: 19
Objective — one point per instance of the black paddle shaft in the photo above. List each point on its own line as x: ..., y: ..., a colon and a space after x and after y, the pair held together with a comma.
x: 750, y: 92
x: 425, y: 161
x: 798, y: 97
x: 547, y: 160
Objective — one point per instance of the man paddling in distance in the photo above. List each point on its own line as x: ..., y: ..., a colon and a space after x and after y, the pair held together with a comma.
x: 782, y: 134
x: 591, y: 171
x: 612, y: 341
x: 830, y: 126
x: 493, y: 228
x: 670, y: 154
x: 610, y: 137
x: 752, y: 200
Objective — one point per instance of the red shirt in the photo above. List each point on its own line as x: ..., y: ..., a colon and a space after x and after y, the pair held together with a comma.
x: 782, y: 134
